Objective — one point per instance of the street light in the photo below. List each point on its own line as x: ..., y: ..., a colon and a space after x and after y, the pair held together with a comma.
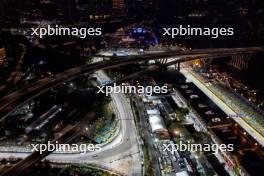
x: 176, y: 132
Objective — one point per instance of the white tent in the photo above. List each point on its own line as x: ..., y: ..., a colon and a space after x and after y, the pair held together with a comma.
x: 156, y: 123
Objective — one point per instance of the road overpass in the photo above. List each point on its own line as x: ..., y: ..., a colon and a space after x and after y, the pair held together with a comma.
x: 13, y: 100
x: 224, y: 52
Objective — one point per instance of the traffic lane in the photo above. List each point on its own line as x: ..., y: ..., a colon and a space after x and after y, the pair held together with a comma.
x: 128, y: 130
x: 197, y: 53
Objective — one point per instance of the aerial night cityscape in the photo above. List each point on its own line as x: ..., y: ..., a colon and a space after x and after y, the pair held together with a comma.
x: 131, y: 87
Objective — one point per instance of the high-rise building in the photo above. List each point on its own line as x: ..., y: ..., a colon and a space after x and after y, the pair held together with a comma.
x: 170, y: 8
x: 2, y: 10
x: 69, y: 10
x: 118, y: 5
x: 2, y: 56
x: 142, y: 7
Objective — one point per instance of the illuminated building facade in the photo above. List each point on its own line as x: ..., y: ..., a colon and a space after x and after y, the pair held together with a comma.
x: 2, y: 56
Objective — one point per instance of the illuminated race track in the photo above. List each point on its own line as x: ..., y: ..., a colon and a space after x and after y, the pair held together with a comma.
x: 114, y: 150
x: 19, y: 97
